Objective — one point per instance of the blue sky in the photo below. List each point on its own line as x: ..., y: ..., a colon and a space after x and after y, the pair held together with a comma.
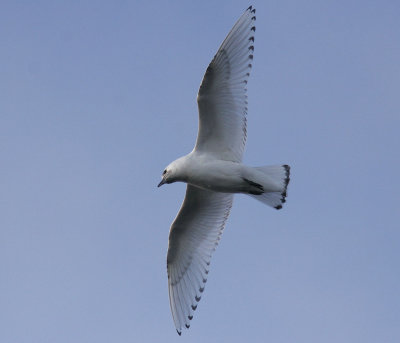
x: 96, y: 98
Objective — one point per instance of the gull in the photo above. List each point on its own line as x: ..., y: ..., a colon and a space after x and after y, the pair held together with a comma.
x: 214, y: 173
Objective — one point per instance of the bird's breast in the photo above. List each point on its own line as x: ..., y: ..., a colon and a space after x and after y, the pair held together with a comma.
x: 217, y: 175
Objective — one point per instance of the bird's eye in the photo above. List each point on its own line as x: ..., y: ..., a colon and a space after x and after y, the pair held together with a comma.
x: 164, y: 172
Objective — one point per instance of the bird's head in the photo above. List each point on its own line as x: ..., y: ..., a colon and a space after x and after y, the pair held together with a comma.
x: 166, y: 176
x: 170, y: 174
x: 173, y: 172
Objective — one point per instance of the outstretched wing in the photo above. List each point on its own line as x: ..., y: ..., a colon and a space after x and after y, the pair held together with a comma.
x: 193, y: 238
x: 222, y: 98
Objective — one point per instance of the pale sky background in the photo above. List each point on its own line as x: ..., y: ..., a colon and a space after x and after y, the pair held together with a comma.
x: 97, y: 97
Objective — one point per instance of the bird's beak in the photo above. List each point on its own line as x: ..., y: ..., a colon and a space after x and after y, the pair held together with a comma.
x: 161, y: 183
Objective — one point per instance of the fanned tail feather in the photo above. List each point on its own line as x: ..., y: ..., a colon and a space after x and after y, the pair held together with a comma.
x: 281, y: 176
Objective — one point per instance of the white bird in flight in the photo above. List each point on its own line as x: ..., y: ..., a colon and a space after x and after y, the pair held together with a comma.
x: 213, y: 171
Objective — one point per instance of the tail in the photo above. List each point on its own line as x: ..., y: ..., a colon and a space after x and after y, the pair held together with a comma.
x: 280, y: 177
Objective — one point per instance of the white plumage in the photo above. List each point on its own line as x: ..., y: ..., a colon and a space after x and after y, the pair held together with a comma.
x: 214, y: 172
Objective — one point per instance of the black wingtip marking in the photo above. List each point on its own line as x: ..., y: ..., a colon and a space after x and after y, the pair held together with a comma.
x: 253, y: 29
x: 249, y: 8
x: 187, y: 326
x: 254, y: 17
x: 197, y: 298
x: 179, y: 332
x: 190, y: 317
x: 253, y: 11
x: 194, y: 307
x: 278, y: 207
x: 251, y: 38
x: 201, y: 290
x: 251, y: 57
x: 249, y: 65
x: 251, y: 47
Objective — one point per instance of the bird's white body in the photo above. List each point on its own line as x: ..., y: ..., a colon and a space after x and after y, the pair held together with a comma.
x: 206, y: 172
x: 214, y: 171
